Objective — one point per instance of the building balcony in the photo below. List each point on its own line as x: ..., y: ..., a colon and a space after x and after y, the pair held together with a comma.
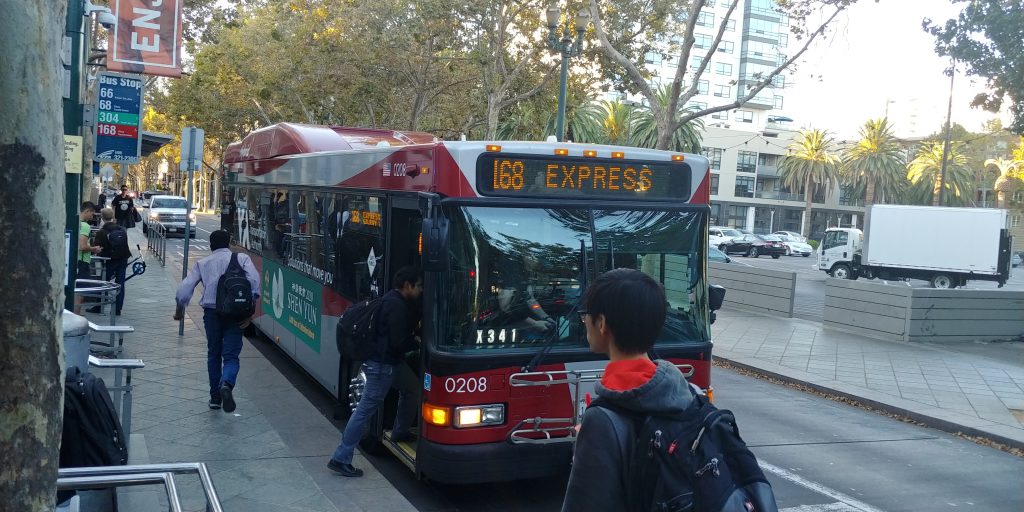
x: 781, y: 196
x: 768, y: 170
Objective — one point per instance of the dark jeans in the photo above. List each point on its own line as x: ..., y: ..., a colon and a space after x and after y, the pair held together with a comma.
x: 379, y: 378
x: 223, y: 344
x: 116, y: 270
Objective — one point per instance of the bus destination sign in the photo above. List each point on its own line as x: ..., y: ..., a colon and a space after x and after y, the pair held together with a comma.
x: 578, y: 177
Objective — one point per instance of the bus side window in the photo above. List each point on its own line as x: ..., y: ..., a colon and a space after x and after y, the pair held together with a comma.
x: 359, y: 246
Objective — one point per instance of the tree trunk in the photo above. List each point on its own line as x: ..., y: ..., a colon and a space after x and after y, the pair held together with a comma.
x: 1000, y: 199
x: 493, y: 112
x: 806, y: 231
x: 32, y: 254
x: 869, y: 192
x: 663, y: 118
x: 937, y: 189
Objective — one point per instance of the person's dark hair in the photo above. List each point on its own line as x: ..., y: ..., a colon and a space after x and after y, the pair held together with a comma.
x: 633, y: 305
x: 88, y: 205
x: 124, y: 187
x: 404, y: 275
x: 219, y: 240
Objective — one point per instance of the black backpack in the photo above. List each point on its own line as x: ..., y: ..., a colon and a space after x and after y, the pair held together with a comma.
x: 92, y: 434
x: 692, y: 462
x: 357, y: 330
x: 118, y: 239
x: 234, y: 293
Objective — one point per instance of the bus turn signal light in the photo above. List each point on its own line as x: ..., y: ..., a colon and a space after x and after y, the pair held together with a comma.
x: 562, y: 152
x: 618, y: 154
x: 493, y: 147
x: 589, y: 153
x: 678, y: 158
x: 436, y: 415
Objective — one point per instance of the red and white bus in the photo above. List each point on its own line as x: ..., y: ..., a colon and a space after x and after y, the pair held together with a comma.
x: 508, y: 234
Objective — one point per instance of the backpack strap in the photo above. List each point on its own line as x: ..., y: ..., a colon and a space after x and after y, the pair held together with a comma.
x: 628, y: 425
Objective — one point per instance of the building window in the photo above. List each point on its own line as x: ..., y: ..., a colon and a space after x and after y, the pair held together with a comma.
x: 703, y: 41
x: 726, y: 46
x: 723, y: 68
x: 730, y: 26
x: 702, y: 87
x: 715, y: 157
x: 744, y: 186
x: 736, y: 216
x: 723, y: 91
x: 695, y: 62
x: 746, y: 161
x: 714, y: 184
x: 696, y: 106
x: 1014, y: 221
x: 768, y: 159
x: 653, y: 58
x: 778, y: 101
x: 716, y: 214
x: 706, y: 19
x: 723, y: 115
x: 745, y: 116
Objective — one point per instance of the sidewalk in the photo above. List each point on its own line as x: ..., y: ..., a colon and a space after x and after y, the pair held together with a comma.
x: 973, y: 388
x: 270, y: 454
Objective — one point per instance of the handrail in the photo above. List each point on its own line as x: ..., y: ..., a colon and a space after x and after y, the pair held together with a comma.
x: 85, y: 483
x: 199, y: 468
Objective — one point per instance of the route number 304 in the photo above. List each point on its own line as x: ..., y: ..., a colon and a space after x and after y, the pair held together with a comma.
x: 464, y: 385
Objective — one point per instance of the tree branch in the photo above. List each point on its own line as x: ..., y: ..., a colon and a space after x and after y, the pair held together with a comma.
x: 617, y: 57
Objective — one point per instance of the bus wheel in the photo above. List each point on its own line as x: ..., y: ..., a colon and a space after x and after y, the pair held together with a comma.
x: 943, y: 282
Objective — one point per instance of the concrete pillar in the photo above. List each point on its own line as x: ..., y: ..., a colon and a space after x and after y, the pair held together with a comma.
x: 803, y: 222
x: 854, y: 220
x: 750, y: 217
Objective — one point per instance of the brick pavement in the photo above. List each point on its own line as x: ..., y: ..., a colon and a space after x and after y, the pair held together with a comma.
x: 270, y: 454
x: 974, y: 388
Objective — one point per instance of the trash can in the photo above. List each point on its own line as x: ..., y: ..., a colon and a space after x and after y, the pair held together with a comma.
x: 76, y: 341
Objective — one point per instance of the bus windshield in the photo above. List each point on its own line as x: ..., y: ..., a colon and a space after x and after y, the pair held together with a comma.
x: 517, y: 274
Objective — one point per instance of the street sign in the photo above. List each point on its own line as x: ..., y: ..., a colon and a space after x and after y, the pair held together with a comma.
x: 119, y: 118
x: 192, y: 140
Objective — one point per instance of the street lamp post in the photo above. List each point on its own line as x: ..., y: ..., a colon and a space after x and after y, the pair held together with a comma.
x: 567, y: 47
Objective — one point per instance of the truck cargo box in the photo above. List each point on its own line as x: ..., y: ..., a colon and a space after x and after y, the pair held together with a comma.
x: 934, y: 238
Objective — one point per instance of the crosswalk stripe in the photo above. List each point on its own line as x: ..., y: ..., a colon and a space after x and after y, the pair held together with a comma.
x: 853, y: 504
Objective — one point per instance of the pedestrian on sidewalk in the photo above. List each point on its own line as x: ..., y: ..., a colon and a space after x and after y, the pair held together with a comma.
x: 86, y: 249
x: 124, y: 208
x: 114, y: 241
x: 386, y: 367
x: 223, y: 336
x: 623, y: 311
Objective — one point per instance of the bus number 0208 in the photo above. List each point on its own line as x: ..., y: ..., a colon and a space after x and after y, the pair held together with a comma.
x: 464, y: 385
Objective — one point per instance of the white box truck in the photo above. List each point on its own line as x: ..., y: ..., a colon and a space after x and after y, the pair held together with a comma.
x: 945, y: 246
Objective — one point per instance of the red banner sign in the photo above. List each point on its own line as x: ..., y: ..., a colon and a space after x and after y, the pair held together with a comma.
x: 147, y: 38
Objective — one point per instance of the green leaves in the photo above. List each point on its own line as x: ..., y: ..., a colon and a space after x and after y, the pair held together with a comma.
x: 987, y: 36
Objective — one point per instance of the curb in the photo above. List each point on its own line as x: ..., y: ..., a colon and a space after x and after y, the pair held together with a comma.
x: 927, y: 420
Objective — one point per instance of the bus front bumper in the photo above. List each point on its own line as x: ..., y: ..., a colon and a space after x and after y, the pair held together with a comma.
x: 490, y: 462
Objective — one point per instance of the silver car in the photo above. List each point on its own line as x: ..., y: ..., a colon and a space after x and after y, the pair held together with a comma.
x: 170, y: 211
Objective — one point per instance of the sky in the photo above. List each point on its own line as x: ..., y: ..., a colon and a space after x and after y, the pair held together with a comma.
x: 876, y: 56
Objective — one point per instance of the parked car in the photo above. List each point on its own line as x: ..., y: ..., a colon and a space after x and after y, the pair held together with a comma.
x: 795, y: 246
x: 794, y: 234
x: 717, y: 235
x: 146, y: 197
x: 717, y: 255
x: 1015, y: 259
x: 171, y: 212
x: 754, y: 246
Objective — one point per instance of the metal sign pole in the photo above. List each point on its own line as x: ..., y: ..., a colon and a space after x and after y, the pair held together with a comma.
x: 188, y: 214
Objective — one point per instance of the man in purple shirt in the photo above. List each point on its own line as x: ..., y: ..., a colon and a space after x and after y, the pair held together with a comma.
x: 223, y: 337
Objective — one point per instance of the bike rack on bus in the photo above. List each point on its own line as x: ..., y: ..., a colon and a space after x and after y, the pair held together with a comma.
x: 565, y: 432
x: 102, y: 477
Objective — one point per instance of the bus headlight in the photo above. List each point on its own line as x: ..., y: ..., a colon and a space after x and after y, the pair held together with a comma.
x: 479, y: 415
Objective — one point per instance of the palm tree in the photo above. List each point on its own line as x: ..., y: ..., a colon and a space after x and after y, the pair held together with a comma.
x: 1009, y: 180
x: 687, y: 138
x: 876, y: 161
x: 810, y: 163
x: 924, y: 172
x: 604, y: 122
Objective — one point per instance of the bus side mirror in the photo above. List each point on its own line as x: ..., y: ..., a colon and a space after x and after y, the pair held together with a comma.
x: 716, y: 296
x: 435, y: 244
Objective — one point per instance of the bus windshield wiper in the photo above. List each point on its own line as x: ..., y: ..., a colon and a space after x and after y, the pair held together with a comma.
x: 554, y: 336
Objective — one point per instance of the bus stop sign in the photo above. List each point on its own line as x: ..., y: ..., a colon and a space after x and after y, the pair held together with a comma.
x: 119, y: 118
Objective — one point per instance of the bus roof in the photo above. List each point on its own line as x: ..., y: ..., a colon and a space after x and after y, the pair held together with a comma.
x: 285, y: 139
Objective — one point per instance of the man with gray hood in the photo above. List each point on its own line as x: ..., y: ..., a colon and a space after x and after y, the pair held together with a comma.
x: 623, y: 311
